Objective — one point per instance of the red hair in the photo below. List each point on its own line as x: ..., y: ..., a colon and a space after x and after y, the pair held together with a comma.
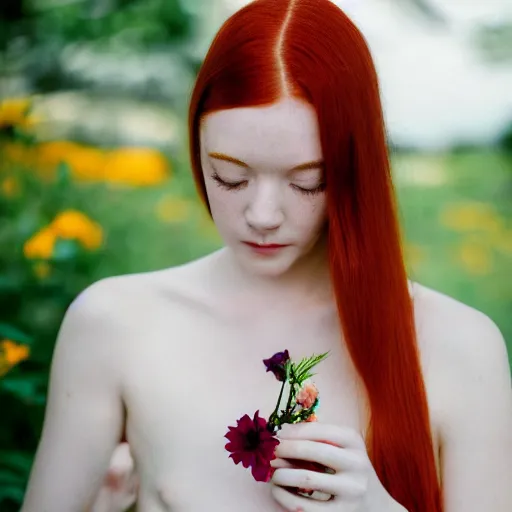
x: 309, y: 49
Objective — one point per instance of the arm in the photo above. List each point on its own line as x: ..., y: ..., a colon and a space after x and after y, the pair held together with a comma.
x: 477, y: 434
x: 84, y: 413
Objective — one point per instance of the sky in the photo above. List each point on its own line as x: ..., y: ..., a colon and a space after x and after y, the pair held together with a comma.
x: 435, y: 90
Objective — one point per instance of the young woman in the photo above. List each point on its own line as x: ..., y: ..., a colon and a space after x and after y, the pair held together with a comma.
x: 288, y: 149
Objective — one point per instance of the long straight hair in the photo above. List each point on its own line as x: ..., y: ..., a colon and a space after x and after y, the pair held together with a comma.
x: 309, y: 49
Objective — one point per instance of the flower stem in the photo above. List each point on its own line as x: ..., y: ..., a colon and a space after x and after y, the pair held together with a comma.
x: 292, y: 391
x: 272, y: 416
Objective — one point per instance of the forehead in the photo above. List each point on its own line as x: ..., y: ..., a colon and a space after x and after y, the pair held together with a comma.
x: 286, y: 132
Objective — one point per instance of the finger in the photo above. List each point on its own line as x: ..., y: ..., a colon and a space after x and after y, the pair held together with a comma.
x: 280, y: 463
x: 293, y: 502
x: 304, y: 479
x: 309, y: 465
x: 344, y: 437
x: 338, y: 459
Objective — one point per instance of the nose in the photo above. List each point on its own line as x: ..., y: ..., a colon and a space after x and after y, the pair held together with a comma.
x: 264, y: 211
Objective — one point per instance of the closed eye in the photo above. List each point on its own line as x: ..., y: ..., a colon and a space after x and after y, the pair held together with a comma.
x: 237, y: 185
x: 229, y: 185
x: 310, y: 191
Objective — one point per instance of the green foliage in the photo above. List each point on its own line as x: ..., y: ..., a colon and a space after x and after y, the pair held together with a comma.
x: 300, y: 371
x: 35, y: 292
x: 31, y: 309
x: 154, y: 22
x: 456, y: 211
x: 35, y: 37
x: 150, y: 21
x: 505, y: 141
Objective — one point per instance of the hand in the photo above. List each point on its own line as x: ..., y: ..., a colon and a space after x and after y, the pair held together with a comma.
x: 341, y: 469
x: 120, y: 485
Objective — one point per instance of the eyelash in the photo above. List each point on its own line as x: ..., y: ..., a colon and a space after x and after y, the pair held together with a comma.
x: 237, y: 186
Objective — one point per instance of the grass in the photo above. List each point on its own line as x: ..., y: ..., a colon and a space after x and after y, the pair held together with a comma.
x: 456, y: 211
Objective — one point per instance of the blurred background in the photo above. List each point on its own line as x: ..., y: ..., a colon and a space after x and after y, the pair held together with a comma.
x: 95, y: 178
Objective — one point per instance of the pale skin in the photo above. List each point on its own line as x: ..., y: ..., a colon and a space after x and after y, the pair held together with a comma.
x: 176, y: 355
x: 119, y: 490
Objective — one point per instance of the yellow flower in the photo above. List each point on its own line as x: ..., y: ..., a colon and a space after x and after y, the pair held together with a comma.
x: 136, y: 166
x: 41, y: 245
x: 74, y: 225
x: 173, y: 209
x: 475, y: 256
x: 68, y: 225
x: 14, y: 112
x: 471, y: 216
x: 10, y: 186
x: 11, y: 354
x: 86, y: 163
x: 132, y: 166
x: 14, y: 352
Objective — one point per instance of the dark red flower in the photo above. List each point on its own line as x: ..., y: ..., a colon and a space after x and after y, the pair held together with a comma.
x: 276, y: 364
x: 253, y: 445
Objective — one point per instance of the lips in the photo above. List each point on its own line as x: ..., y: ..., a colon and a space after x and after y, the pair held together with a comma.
x: 264, y: 246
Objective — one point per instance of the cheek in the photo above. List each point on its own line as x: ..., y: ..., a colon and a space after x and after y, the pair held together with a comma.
x: 224, y: 207
x: 311, y: 216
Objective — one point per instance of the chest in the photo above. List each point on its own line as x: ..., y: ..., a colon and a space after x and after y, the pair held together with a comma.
x: 184, y: 395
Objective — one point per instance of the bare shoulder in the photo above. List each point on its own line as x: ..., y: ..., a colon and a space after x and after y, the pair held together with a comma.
x: 126, y: 299
x: 97, y: 324
x: 468, y: 361
x: 117, y: 295
x: 460, y: 332
x: 107, y: 298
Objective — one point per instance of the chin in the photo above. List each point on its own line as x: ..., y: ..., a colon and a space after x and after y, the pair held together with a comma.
x: 265, y: 266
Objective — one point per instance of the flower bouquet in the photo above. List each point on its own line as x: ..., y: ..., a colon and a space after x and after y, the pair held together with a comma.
x: 253, y: 441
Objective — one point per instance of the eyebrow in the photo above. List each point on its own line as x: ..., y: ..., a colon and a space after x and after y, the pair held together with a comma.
x: 316, y: 164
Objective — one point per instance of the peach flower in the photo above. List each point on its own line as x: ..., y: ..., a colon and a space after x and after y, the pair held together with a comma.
x: 307, y: 395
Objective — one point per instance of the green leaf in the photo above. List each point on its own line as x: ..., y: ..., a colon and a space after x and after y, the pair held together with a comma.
x: 9, y: 283
x: 24, y: 137
x: 301, y: 370
x: 306, y: 376
x: 12, y: 485
x: 13, y: 333
x: 25, y: 386
x: 65, y: 250
x: 9, y: 478
x: 14, y: 492
x: 17, y: 462
x: 63, y: 175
